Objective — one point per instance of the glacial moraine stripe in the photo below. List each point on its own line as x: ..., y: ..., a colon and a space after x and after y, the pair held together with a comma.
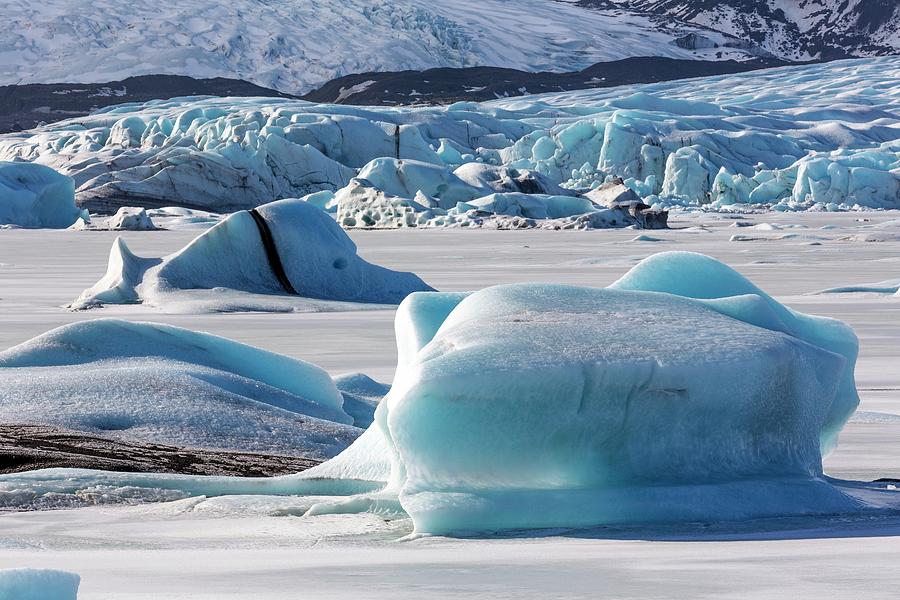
x: 268, y: 242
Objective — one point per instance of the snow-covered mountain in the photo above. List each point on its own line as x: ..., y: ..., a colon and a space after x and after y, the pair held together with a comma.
x: 297, y: 45
x: 789, y: 29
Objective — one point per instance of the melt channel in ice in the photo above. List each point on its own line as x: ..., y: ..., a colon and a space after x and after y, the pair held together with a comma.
x: 680, y: 392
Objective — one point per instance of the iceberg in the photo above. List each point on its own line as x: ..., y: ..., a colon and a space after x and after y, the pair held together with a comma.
x: 33, y: 195
x: 38, y: 584
x: 288, y: 247
x: 534, y: 206
x: 130, y: 218
x: 681, y: 392
x: 361, y: 396
x: 555, y: 406
x: 157, y: 383
x: 363, y: 205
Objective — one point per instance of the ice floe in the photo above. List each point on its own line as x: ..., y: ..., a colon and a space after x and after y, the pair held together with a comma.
x: 890, y: 287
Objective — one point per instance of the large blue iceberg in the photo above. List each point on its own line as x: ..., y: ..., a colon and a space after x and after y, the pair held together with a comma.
x: 681, y: 392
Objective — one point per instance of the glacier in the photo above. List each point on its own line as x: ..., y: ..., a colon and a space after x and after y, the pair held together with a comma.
x: 36, y: 196
x: 813, y: 137
x: 163, y: 384
x: 285, y: 248
x: 681, y: 392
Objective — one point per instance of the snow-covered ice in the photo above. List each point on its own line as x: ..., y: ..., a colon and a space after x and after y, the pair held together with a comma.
x: 230, y: 267
x: 157, y: 383
x: 33, y: 195
x: 725, y: 141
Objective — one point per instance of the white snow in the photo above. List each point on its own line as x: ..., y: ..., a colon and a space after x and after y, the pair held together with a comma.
x: 817, y: 137
x: 297, y: 45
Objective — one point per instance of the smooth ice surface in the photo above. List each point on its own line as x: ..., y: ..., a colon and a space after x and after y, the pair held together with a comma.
x: 209, y: 274
x: 158, y: 383
x: 38, y: 584
x: 820, y: 137
x: 252, y: 546
x: 36, y: 196
x: 697, y: 276
x: 551, y: 406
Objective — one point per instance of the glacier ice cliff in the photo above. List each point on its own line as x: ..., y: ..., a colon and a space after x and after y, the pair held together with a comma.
x: 820, y: 137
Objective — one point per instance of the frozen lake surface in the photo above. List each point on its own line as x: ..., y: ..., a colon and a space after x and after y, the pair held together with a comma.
x: 243, y: 547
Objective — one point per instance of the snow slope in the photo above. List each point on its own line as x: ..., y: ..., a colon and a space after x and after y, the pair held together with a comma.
x: 296, y: 45
x: 790, y: 29
x: 818, y: 136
